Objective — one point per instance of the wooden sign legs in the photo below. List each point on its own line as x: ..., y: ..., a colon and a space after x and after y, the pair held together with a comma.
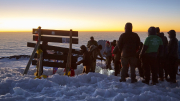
x: 68, y: 65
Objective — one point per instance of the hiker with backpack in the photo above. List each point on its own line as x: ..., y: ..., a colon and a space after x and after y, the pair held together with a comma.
x: 108, y: 54
x: 94, y: 52
x: 86, y: 60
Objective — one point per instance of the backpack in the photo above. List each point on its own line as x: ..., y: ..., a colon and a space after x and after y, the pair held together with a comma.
x: 92, y: 53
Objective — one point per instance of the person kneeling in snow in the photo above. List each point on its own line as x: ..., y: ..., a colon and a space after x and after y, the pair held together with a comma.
x: 86, y: 60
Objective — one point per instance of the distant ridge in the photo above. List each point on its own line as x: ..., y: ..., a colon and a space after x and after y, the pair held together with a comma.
x: 16, y: 57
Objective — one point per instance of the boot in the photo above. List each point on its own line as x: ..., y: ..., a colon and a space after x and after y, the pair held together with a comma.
x: 145, y: 81
x: 161, y: 79
x: 133, y: 81
x: 122, y: 80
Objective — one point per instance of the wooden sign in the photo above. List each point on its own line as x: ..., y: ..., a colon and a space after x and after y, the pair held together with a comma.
x: 55, y: 48
x: 56, y: 32
x: 56, y: 39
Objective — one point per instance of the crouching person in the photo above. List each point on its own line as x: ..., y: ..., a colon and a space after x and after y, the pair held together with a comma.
x: 86, y: 60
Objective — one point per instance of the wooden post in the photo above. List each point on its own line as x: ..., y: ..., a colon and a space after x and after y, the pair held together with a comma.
x: 34, y: 51
x: 40, y: 64
x: 68, y: 65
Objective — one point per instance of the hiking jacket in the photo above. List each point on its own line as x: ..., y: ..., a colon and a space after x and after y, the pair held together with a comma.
x: 91, y: 43
x: 86, y: 59
x: 165, y: 44
x: 128, y: 44
x: 173, y: 48
x: 94, y: 52
x: 117, y: 54
x: 108, y: 51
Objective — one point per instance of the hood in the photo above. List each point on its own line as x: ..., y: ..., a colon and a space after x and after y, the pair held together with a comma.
x: 152, y: 31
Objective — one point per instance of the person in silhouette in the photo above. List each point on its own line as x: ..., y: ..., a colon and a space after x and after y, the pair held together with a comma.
x: 148, y: 55
x: 92, y: 42
x: 128, y: 46
x: 172, y: 56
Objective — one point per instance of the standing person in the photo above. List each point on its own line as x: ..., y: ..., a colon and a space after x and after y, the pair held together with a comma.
x: 162, y: 57
x: 108, y: 54
x: 172, y: 56
x: 117, y: 63
x: 92, y: 42
x: 94, y: 52
x: 128, y: 45
x: 86, y: 60
x: 152, y: 44
x: 113, y: 44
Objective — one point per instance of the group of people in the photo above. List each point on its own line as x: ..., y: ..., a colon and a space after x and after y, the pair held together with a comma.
x: 156, y: 56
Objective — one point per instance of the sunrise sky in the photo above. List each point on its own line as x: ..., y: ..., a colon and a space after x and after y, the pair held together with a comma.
x: 89, y: 15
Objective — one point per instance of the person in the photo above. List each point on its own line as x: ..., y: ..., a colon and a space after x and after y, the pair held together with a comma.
x: 162, y: 60
x: 94, y: 52
x: 117, y: 56
x: 86, y: 60
x: 108, y: 54
x: 148, y: 55
x: 92, y: 42
x: 139, y: 61
x: 113, y: 44
x: 172, y: 56
x: 128, y: 45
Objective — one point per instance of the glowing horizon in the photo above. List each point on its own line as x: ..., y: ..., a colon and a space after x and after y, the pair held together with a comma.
x: 21, y: 16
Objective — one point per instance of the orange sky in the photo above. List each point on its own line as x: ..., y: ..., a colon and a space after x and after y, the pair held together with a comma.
x: 88, y: 16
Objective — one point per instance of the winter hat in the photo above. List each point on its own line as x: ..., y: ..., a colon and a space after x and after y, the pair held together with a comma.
x: 172, y: 33
x: 108, y: 42
x: 152, y: 31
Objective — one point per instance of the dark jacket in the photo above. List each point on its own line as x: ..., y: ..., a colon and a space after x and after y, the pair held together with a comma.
x: 165, y: 44
x: 117, y: 54
x: 173, y: 48
x: 90, y: 42
x: 86, y: 59
x: 129, y: 44
x: 94, y: 52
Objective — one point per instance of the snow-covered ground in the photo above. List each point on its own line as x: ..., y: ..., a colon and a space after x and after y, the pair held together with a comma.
x: 100, y: 86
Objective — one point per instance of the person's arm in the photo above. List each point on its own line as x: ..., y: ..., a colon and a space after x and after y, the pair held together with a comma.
x: 81, y: 61
x: 115, y: 50
x: 120, y: 43
x: 138, y: 43
x: 96, y: 44
x: 161, y: 48
x: 99, y: 53
x: 88, y: 45
x: 145, y: 47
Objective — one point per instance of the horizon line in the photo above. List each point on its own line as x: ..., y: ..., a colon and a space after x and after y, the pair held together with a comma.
x: 85, y: 31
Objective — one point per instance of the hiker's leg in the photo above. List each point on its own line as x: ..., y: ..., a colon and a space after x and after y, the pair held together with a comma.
x: 124, y: 62
x: 133, y: 64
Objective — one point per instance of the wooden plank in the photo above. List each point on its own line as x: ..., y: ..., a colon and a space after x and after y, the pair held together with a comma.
x: 54, y: 64
x: 68, y: 65
x: 56, y: 32
x: 57, y: 57
x: 40, y: 65
x: 56, y: 39
x: 61, y: 49
x: 33, y: 53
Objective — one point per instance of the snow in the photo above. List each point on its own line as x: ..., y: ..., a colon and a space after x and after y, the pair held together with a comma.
x: 99, y: 86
